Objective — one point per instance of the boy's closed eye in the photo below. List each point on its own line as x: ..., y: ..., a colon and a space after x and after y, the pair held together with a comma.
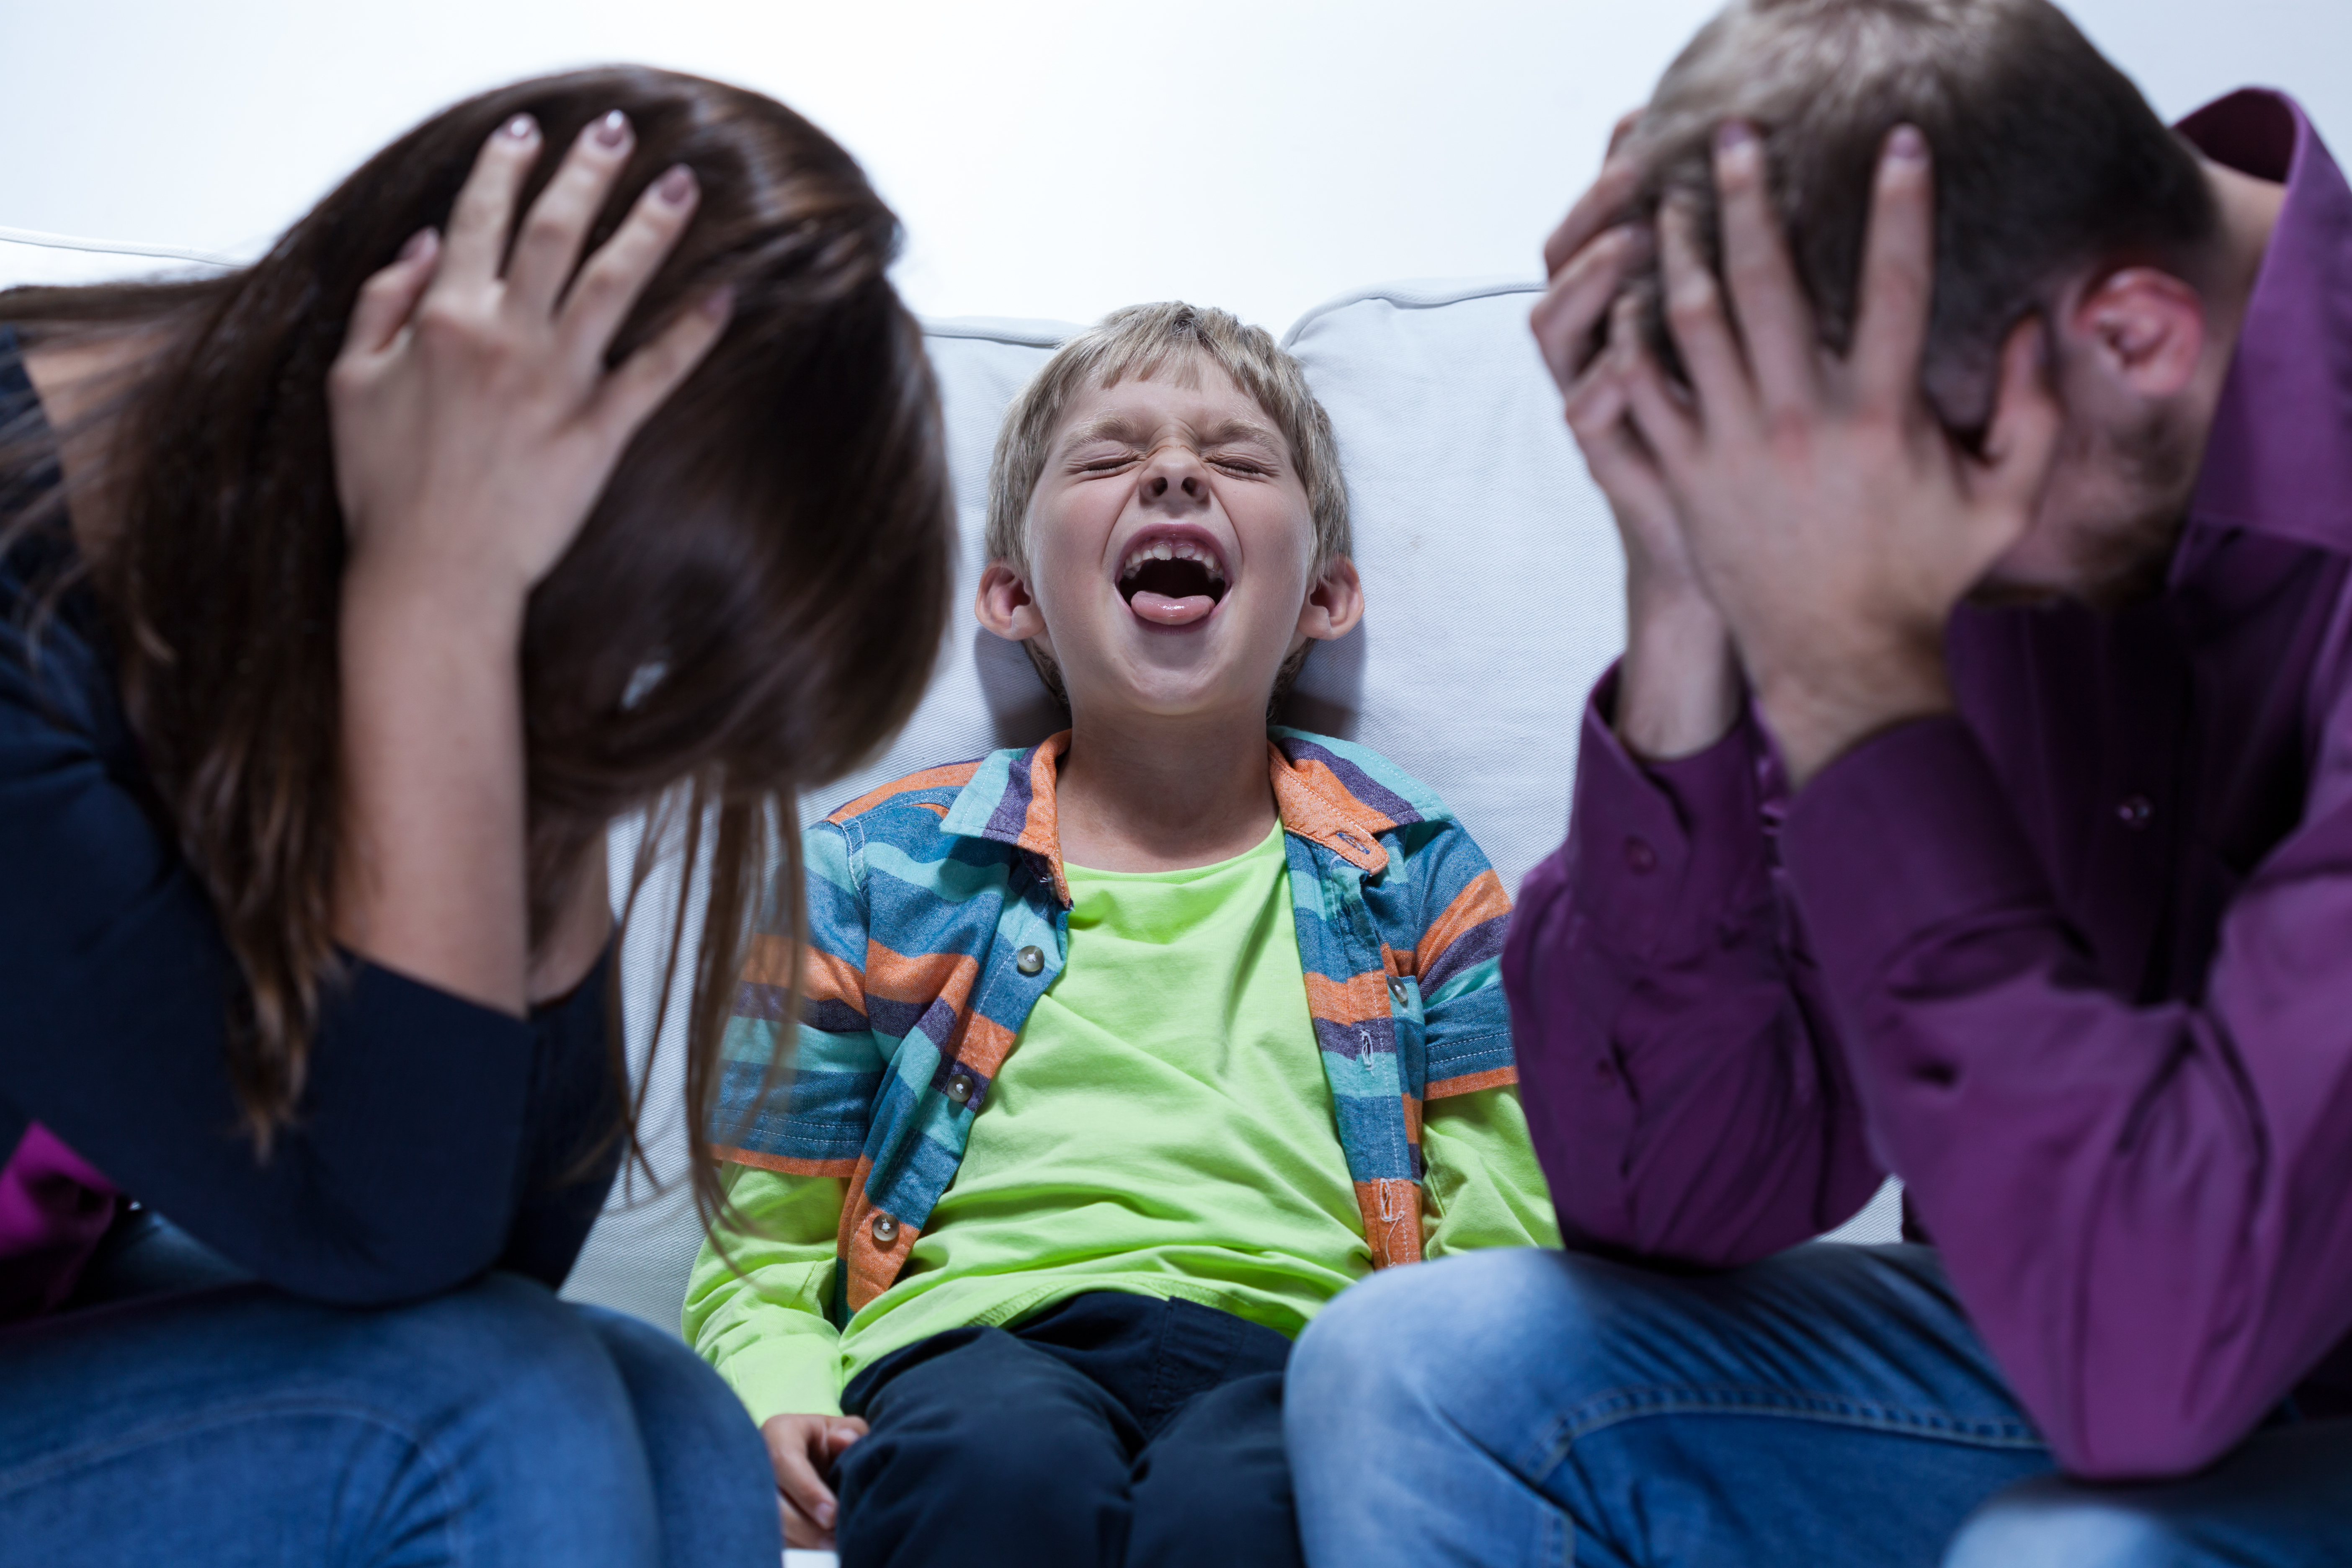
x: 1097, y: 464
x: 1242, y: 465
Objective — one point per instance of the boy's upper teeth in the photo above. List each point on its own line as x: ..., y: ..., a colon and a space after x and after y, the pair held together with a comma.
x: 1172, y: 550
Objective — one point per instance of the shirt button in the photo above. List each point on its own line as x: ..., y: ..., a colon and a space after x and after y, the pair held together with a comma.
x: 1399, y: 991
x: 1640, y: 859
x: 886, y: 1230
x: 2136, y: 811
x: 1606, y: 1071
x: 959, y: 1089
x: 1029, y: 960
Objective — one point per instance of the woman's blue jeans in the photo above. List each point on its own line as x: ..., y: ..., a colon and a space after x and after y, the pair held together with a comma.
x: 493, y: 1426
x: 1829, y: 1407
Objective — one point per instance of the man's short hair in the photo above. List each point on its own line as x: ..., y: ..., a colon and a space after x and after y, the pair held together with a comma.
x: 1141, y: 340
x: 2047, y: 160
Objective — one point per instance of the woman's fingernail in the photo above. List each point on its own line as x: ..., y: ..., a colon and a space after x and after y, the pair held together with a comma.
x: 1734, y: 134
x: 522, y: 128
x: 419, y: 243
x: 824, y: 1513
x: 613, y: 129
x: 1907, y: 143
x: 719, y: 302
x: 676, y: 186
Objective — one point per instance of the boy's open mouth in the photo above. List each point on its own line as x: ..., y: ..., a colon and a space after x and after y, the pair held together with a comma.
x: 1172, y: 582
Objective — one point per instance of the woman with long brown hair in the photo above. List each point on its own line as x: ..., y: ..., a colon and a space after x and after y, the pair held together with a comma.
x: 575, y: 457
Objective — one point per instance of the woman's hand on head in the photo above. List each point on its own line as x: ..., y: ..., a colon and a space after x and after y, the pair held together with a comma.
x: 474, y: 424
x: 802, y: 1449
x: 475, y: 420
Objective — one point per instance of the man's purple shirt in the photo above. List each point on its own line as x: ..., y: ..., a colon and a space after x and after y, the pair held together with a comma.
x: 2076, y: 963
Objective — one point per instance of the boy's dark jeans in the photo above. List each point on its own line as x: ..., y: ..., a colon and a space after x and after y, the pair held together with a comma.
x: 1107, y: 1430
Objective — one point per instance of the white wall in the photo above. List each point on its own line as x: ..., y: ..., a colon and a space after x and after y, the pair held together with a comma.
x: 1051, y: 158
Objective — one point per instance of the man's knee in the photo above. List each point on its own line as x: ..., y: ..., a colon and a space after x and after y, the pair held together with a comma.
x: 2051, y: 1523
x: 1412, y: 1342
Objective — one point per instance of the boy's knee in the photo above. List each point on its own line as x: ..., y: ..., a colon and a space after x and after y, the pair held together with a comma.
x: 1226, y: 1447
x: 2054, y: 1524
x: 992, y: 1418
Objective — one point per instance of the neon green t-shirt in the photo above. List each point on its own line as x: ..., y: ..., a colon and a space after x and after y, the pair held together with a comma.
x: 1162, y: 1126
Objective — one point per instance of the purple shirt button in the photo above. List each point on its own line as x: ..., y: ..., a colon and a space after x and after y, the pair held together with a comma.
x: 1606, y: 1071
x: 1640, y: 859
x: 2136, y: 811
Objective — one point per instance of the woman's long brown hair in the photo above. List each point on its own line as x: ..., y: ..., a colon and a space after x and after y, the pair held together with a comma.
x: 752, y: 608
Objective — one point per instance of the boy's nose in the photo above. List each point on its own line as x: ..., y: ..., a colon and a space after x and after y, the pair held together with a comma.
x: 1175, y: 480
x: 1188, y: 485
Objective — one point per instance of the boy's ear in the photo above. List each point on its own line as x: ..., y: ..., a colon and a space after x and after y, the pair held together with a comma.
x: 1335, y: 603
x: 1004, y: 605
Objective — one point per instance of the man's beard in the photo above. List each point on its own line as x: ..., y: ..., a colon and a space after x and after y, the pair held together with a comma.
x: 2130, y: 560
x: 2151, y: 473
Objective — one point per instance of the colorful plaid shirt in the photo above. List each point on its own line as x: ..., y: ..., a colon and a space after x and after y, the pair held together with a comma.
x: 938, y: 913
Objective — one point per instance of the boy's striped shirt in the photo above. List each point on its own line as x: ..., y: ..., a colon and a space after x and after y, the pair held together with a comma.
x: 938, y: 914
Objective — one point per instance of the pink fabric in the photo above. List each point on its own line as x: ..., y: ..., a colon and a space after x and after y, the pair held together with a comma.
x: 53, y: 1208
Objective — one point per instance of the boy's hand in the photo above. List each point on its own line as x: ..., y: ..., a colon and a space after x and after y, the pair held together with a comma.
x: 802, y: 1449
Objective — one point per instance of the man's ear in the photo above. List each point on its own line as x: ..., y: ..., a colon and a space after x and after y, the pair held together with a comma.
x: 1335, y: 603
x: 2142, y: 329
x: 1004, y: 605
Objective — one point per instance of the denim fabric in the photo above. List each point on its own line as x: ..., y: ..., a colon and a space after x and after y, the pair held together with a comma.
x: 144, y: 1254
x: 1829, y: 1407
x: 1108, y: 1430
x: 491, y: 1425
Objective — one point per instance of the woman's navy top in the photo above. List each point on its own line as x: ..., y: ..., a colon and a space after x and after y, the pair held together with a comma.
x: 435, y: 1138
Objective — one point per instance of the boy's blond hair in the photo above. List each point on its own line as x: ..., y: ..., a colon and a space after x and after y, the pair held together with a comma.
x: 1141, y: 340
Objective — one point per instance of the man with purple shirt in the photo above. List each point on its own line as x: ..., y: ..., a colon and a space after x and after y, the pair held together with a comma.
x: 1973, y: 803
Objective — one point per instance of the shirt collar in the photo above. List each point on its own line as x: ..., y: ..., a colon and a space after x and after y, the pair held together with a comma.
x: 2278, y: 460
x: 1010, y: 800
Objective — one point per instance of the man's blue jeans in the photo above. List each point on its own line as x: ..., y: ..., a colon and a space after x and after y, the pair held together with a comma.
x: 493, y: 1426
x: 1825, y: 1407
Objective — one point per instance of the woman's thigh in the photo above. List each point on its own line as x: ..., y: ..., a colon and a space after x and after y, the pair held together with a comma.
x: 1827, y: 1406
x: 489, y: 1426
x: 714, y: 1494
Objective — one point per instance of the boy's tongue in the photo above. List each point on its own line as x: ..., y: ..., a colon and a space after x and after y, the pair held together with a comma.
x: 1165, y: 611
